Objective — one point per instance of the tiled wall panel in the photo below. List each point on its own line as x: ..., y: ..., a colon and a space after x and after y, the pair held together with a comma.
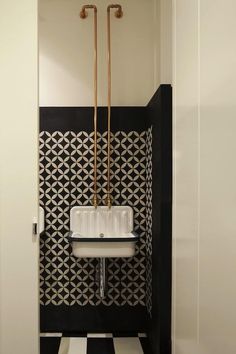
x: 66, y: 180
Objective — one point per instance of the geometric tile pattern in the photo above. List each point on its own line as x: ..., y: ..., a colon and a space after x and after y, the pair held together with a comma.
x: 104, y: 343
x: 66, y: 180
x: 149, y: 220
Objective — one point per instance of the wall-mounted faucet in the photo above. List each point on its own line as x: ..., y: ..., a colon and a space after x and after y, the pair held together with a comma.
x: 83, y: 15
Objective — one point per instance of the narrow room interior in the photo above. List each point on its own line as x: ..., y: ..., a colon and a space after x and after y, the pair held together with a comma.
x: 117, y: 177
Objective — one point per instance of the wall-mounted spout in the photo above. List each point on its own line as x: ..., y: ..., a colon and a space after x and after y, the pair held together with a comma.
x: 83, y: 15
x: 118, y: 12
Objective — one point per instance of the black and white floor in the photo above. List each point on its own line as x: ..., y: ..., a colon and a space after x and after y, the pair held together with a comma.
x: 99, y: 343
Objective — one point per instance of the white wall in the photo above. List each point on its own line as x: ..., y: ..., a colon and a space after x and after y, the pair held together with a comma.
x: 18, y: 177
x: 163, y: 41
x: 204, y: 287
x: 66, y: 53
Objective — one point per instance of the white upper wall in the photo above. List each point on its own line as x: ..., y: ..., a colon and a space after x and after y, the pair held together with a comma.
x: 66, y: 53
x: 164, y: 20
x: 163, y: 42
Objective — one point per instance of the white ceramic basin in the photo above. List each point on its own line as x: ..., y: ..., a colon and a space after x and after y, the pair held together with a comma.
x: 102, y: 232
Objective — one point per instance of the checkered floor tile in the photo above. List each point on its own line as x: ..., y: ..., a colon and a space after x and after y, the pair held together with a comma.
x: 94, y: 343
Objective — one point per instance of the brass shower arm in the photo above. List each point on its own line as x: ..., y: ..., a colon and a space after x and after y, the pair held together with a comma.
x: 118, y: 14
x: 83, y: 15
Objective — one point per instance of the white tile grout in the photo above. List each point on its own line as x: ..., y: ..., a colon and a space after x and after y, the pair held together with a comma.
x: 100, y: 335
x: 89, y: 335
x: 50, y: 334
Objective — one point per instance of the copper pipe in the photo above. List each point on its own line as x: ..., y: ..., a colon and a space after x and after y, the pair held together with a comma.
x: 118, y: 14
x: 83, y: 15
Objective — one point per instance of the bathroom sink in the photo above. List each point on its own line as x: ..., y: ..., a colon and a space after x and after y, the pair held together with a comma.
x: 103, y: 247
x: 102, y: 232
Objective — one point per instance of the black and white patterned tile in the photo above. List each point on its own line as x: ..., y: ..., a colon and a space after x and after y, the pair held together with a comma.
x: 149, y: 220
x: 91, y: 343
x: 66, y: 180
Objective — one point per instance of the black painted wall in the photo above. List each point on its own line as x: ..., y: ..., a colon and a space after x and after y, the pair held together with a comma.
x: 69, y: 294
x: 160, y: 117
